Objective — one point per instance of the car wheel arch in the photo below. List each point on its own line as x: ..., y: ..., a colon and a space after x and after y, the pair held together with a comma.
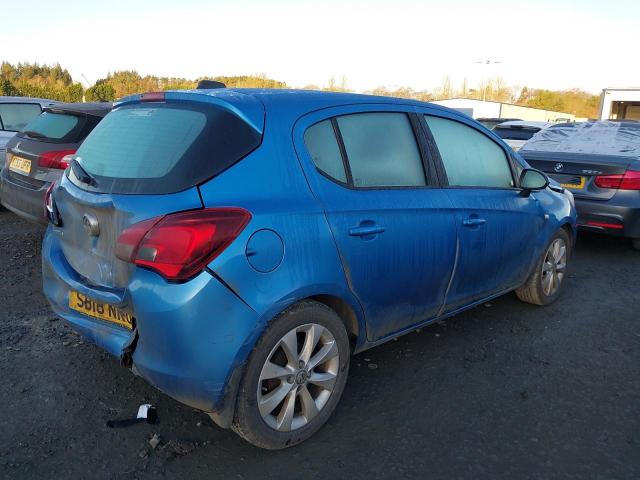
x: 346, y: 314
x: 570, y: 231
x: 346, y: 311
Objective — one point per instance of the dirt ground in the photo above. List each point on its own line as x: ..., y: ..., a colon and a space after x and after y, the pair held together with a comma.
x: 506, y: 390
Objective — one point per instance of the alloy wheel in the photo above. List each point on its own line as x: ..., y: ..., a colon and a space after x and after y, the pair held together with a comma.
x: 554, y: 266
x: 298, y: 377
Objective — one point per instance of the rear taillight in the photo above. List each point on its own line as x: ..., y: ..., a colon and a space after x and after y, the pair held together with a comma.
x: 180, y: 245
x: 50, y: 210
x: 56, y: 159
x: 614, y: 226
x: 630, y: 180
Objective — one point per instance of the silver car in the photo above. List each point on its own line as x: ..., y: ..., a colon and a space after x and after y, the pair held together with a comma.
x: 15, y: 113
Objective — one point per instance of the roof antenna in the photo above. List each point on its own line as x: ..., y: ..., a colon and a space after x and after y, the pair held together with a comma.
x: 207, y: 84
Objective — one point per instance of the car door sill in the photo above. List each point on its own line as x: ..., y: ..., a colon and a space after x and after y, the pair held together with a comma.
x: 425, y: 323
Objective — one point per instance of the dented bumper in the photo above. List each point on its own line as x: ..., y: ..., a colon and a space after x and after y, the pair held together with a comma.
x: 191, y: 337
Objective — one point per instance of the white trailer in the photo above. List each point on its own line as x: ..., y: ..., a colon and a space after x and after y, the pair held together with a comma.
x: 620, y: 104
x: 488, y: 109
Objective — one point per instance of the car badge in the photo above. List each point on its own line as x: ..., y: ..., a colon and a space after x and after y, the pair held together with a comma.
x: 558, y: 166
x: 90, y: 224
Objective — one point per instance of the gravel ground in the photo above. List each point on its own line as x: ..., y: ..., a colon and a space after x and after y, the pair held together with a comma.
x: 506, y: 390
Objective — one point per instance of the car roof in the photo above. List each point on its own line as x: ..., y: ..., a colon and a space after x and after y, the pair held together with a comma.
x: 41, y: 101
x: 524, y: 123
x: 97, y: 109
x: 289, y: 105
x: 299, y: 102
x: 293, y: 101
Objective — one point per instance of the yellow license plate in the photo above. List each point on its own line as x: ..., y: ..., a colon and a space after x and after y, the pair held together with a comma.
x: 20, y: 165
x: 575, y: 186
x: 103, y: 311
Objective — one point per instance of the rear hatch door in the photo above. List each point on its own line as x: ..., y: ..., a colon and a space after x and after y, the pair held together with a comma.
x: 91, y: 253
x: 143, y: 160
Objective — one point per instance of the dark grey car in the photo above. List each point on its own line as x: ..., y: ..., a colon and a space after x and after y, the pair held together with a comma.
x: 15, y: 113
x: 599, y: 162
x: 37, y: 156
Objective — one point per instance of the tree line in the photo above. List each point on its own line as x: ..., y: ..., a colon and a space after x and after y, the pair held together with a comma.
x: 55, y: 82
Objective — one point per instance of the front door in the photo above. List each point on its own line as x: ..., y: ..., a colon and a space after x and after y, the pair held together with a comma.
x: 497, y: 226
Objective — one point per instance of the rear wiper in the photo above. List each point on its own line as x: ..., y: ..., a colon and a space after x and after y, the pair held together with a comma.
x: 81, y: 174
x: 33, y: 134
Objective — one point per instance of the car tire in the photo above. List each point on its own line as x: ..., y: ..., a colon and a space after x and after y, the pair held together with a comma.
x: 270, y: 370
x: 544, y: 285
x: 636, y: 243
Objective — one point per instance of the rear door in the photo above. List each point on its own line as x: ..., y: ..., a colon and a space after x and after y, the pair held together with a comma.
x: 142, y: 161
x: 393, y: 228
x: 497, y: 227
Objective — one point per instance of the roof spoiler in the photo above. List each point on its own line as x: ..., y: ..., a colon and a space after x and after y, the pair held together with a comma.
x: 208, y: 84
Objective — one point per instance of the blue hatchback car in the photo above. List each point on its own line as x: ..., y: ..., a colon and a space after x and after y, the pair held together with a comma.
x: 235, y: 247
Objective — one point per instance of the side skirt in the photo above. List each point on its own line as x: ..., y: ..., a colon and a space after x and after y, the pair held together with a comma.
x: 425, y: 323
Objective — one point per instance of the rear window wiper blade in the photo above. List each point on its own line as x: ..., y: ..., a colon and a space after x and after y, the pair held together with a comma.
x: 33, y: 134
x: 81, y: 174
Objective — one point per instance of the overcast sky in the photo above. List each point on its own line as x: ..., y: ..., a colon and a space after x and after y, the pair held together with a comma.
x: 554, y: 44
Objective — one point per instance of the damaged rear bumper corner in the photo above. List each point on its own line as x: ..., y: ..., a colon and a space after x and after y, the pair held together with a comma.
x: 190, y: 340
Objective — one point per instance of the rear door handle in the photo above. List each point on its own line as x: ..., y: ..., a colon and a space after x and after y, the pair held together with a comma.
x: 364, y: 231
x: 473, y: 222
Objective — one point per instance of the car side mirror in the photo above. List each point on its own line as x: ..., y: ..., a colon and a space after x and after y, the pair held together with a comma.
x: 531, y: 180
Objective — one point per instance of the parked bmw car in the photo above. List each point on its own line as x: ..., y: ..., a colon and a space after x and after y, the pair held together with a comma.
x: 37, y: 156
x: 600, y: 163
x: 15, y: 113
x: 516, y: 133
x: 235, y: 247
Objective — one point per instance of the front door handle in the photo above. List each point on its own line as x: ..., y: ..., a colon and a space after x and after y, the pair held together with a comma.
x: 365, y: 230
x: 474, y: 222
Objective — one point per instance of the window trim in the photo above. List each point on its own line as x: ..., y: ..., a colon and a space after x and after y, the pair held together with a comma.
x: 343, y: 151
x: 17, y: 103
x: 440, y: 164
x: 425, y: 157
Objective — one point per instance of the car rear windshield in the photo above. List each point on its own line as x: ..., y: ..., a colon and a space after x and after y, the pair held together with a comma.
x: 53, y: 126
x: 15, y: 116
x: 516, y: 133
x: 160, y: 148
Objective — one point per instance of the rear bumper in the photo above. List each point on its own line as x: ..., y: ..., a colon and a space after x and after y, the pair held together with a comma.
x: 622, y: 214
x: 26, y: 202
x: 192, y: 337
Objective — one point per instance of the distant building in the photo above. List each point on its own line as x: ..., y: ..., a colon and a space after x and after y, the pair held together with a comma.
x: 620, y: 104
x: 485, y: 109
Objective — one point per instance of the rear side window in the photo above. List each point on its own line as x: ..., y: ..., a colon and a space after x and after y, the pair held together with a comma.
x: 52, y: 125
x: 163, y: 147
x: 15, y: 116
x: 470, y: 158
x: 323, y: 147
x: 381, y: 150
